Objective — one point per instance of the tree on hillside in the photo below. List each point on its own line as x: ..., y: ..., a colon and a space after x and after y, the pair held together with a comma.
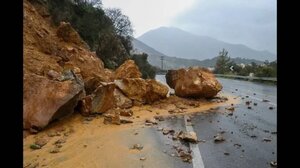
x: 120, y: 21
x: 223, y: 63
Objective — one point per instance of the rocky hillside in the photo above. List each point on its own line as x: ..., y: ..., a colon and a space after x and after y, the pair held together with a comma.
x: 61, y: 75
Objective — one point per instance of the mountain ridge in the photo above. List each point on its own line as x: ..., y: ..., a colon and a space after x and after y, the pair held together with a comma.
x: 179, y: 43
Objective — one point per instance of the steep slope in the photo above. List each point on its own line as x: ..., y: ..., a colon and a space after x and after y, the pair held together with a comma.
x: 56, y: 64
x: 182, y: 44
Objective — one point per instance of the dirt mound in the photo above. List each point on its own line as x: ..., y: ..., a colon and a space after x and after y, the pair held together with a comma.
x: 54, y: 60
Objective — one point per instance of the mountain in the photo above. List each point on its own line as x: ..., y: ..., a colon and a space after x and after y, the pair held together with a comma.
x: 154, y: 58
x: 178, y: 43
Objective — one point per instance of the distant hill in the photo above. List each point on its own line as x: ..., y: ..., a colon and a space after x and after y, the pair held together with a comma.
x: 178, y: 43
x: 154, y: 58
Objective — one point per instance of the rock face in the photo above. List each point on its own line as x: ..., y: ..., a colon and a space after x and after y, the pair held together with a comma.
x: 134, y: 88
x: 46, y: 100
x: 128, y: 70
x: 193, y: 82
x: 156, y: 90
x: 101, y: 100
x: 121, y: 100
x: 142, y: 91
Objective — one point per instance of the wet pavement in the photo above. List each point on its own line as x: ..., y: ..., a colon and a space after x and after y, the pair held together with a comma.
x: 250, y: 133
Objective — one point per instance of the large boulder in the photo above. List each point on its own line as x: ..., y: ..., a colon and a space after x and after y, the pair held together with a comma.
x: 101, y: 100
x: 156, y: 91
x: 134, y: 88
x: 121, y: 100
x: 193, y: 82
x: 142, y: 91
x: 46, y: 100
x: 128, y: 70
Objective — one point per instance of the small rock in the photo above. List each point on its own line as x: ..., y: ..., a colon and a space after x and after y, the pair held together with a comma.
x: 219, y: 138
x: 247, y: 96
x: 173, y: 154
x: 243, y: 150
x: 167, y: 131
x: 230, y: 108
x: 60, y: 141
x: 271, y: 108
x: 254, y: 93
x: 159, y: 118
x: 236, y: 89
x: 126, y: 113
x: 54, y: 150
x: 249, y: 107
x: 267, y: 140
x: 124, y: 120
x: 189, y: 136
x: 274, y: 132
x: 188, y: 119
x: 238, y: 145
x: 84, y: 145
x: 265, y: 100
x: 255, y: 104
x: 35, y: 146
x: 51, y: 134
x: 248, y: 103
x: 253, y: 136
x: 152, y: 121
x: 226, y: 153
x: 137, y: 146
x: 148, y: 124
x: 136, y: 133
x: 41, y: 142
x: 58, y: 145
x: 273, y: 164
x: 143, y: 158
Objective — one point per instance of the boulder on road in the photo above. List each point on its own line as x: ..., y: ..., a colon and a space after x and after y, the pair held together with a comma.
x: 46, y: 100
x: 193, y: 82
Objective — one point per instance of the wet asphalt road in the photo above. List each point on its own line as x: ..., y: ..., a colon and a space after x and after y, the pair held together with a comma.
x: 244, y: 131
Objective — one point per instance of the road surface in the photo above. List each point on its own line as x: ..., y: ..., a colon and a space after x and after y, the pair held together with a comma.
x: 250, y: 134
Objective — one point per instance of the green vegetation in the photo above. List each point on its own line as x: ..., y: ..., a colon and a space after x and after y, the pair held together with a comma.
x: 225, y: 65
x: 147, y: 70
x: 106, y: 31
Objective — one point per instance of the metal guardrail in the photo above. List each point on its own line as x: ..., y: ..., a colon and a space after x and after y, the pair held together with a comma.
x: 248, y: 77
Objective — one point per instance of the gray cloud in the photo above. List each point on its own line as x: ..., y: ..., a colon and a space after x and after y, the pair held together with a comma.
x: 249, y: 22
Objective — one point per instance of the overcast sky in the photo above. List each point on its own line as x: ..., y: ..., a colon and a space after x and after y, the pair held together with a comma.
x: 249, y: 22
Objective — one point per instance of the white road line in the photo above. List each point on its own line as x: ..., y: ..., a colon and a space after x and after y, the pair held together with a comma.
x: 197, y: 159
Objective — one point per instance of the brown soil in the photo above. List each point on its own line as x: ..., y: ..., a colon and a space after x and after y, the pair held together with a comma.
x: 92, y: 144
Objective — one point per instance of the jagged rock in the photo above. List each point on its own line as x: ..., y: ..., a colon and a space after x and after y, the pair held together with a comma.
x: 125, y: 112
x: 125, y: 120
x: 113, y: 118
x: 151, y: 121
x: 121, y: 100
x: 193, y: 82
x: 219, y: 138
x: 46, y: 100
x: 41, y: 142
x: 156, y: 91
x: 128, y: 70
x: 137, y: 146
x: 188, y: 136
x: 134, y: 88
x: 101, y: 100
